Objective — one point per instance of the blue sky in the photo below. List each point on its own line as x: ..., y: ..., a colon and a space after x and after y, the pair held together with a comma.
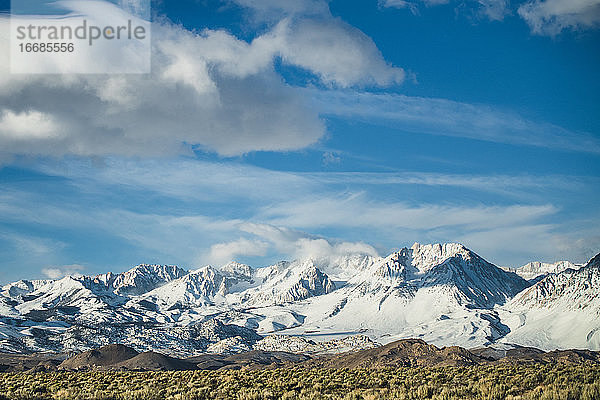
x: 279, y: 129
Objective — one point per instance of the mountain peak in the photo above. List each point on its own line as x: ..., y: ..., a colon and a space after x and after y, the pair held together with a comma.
x: 236, y: 269
x: 536, y: 270
x: 424, y: 257
x: 145, y: 277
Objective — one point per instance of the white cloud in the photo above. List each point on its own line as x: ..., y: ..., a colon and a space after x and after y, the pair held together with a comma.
x: 221, y: 253
x: 62, y: 271
x: 450, y: 118
x: 208, y: 89
x: 184, y: 178
x: 181, y: 104
x: 196, y: 180
x: 300, y: 245
x: 515, y: 187
x: 550, y: 17
x: 358, y: 211
x: 338, y: 53
x: 27, y: 125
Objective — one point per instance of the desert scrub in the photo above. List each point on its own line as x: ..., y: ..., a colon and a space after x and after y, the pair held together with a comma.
x: 533, y: 382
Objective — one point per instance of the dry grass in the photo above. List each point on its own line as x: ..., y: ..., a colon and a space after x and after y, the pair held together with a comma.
x: 479, y: 382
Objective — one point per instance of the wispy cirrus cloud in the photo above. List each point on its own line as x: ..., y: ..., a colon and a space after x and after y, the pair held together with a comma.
x: 278, y: 9
x: 544, y: 17
x: 443, y: 117
x: 194, y: 212
x: 359, y: 211
x: 494, y: 10
x: 192, y: 180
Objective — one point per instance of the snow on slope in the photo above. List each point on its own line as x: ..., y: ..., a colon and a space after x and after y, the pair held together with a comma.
x: 68, y: 295
x: 188, y: 299
x: 140, y: 279
x: 82, y: 295
x: 194, y: 289
x: 444, y: 294
x: 536, y: 270
x: 287, y: 283
x: 130, y: 305
x: 17, y: 290
x: 560, y: 311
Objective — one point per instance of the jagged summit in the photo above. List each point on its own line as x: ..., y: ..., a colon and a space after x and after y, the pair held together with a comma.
x: 471, y: 279
x: 196, y: 288
x: 237, y: 270
x: 289, y: 282
x: 141, y: 278
x: 425, y: 257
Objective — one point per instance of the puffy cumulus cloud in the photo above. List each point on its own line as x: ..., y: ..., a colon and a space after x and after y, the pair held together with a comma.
x: 62, y: 271
x: 27, y: 125
x: 221, y: 253
x: 339, y: 54
x: 233, y: 111
x: 210, y: 90
x: 550, y: 17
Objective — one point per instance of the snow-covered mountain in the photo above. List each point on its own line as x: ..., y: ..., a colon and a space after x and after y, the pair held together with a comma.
x: 288, y: 283
x: 141, y: 278
x: 22, y: 288
x: 536, y: 270
x: 560, y: 311
x: 442, y: 293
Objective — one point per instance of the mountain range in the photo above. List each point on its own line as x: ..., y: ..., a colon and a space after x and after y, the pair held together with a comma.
x: 444, y: 294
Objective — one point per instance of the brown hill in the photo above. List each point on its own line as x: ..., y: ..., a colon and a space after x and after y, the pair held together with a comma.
x: 402, y: 353
x: 270, y: 359
x: 102, y: 357
x: 151, y: 361
x: 24, y: 362
x: 574, y: 357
